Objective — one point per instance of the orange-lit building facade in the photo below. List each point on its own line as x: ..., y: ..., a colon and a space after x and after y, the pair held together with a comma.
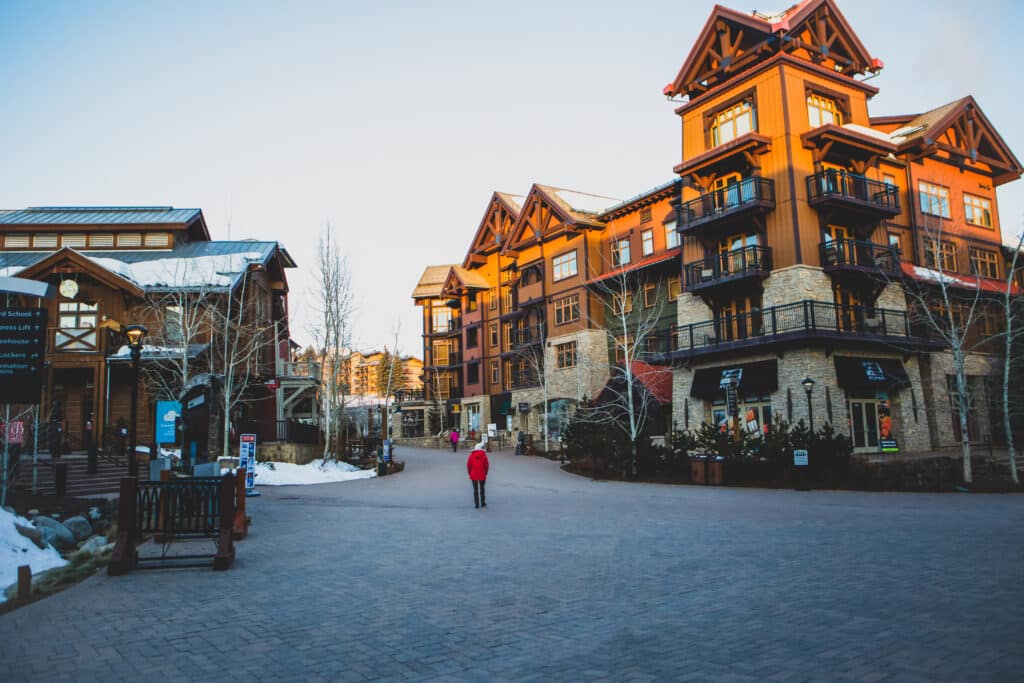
x: 787, y: 245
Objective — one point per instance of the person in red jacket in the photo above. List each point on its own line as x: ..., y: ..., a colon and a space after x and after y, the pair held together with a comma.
x: 477, y: 466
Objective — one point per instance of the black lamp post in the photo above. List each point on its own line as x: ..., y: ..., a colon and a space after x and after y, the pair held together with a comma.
x: 134, y: 334
x: 809, y: 387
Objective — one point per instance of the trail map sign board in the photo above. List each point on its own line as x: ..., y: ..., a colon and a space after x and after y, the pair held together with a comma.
x: 22, y: 347
x: 247, y: 459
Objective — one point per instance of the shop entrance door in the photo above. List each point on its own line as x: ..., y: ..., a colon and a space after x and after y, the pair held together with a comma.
x: 864, y: 424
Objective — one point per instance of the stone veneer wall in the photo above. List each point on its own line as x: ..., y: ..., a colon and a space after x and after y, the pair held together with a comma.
x: 797, y: 283
x: 296, y: 453
x: 934, y: 372
x: 591, y: 371
x: 484, y: 402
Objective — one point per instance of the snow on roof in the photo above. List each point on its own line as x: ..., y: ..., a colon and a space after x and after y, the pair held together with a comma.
x: 432, y: 281
x: 864, y: 130
x: 220, y: 271
x: 586, y: 203
x: 516, y: 200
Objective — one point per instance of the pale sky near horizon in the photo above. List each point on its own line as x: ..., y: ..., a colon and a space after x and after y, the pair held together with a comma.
x: 397, y: 120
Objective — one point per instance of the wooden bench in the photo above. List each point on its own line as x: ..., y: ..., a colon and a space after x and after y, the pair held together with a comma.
x: 180, y: 509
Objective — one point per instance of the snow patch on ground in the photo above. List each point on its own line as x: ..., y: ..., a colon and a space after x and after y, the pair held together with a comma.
x: 316, y: 472
x: 16, y: 550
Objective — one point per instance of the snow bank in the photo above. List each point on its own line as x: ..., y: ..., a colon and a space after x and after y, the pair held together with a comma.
x: 16, y: 550
x: 316, y: 472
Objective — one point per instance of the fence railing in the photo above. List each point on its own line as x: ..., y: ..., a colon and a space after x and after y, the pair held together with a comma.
x: 746, y: 260
x: 833, y: 183
x: 293, y: 431
x: 301, y: 368
x: 730, y: 199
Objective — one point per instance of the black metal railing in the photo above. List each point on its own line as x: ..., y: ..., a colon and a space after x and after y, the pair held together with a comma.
x: 749, y: 192
x: 795, y: 319
x: 454, y: 325
x: 836, y: 184
x: 744, y: 261
x: 409, y: 395
x: 452, y: 359
x: 524, y: 336
x: 293, y: 431
x: 860, y: 254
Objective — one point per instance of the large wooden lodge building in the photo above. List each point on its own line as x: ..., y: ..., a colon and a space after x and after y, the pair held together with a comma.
x: 123, y: 264
x: 785, y: 246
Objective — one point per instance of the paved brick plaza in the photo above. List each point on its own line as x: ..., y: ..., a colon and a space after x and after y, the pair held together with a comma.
x: 560, y: 578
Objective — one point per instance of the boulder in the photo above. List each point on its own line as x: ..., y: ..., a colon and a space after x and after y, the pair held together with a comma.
x: 94, y: 546
x: 54, y: 533
x: 79, y: 526
x: 31, y: 533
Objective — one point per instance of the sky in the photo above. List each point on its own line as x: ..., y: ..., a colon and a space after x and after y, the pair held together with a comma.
x: 395, y: 121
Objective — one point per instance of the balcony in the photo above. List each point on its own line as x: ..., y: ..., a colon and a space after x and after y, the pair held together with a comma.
x: 796, y: 322
x: 452, y: 359
x: 748, y: 264
x: 853, y: 194
x: 749, y: 197
x: 857, y: 256
x: 453, y: 327
x: 74, y: 340
x: 527, y: 336
x: 531, y: 293
x: 300, y: 368
x: 409, y: 395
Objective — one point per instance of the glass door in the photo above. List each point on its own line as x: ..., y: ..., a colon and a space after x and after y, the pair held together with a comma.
x: 864, y: 424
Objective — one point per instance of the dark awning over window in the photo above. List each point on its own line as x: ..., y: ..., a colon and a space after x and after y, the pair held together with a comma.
x: 756, y: 378
x: 870, y: 374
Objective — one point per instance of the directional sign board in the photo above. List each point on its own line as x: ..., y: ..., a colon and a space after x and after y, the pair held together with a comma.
x: 247, y: 459
x: 22, y: 348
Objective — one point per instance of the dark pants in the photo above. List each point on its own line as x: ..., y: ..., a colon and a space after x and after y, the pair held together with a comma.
x: 479, y: 495
x: 455, y: 446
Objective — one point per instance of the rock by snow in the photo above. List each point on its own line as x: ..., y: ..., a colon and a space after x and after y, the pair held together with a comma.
x: 16, y: 550
x: 316, y: 472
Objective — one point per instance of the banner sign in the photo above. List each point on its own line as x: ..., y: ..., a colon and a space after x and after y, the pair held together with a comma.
x: 247, y: 459
x: 167, y: 414
x: 22, y: 347
x: 800, y: 458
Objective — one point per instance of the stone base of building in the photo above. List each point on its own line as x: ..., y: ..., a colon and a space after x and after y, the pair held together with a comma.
x: 295, y: 453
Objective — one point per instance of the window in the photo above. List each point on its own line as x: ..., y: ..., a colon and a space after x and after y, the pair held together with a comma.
x: 509, y: 379
x: 17, y: 241
x: 564, y: 266
x: 620, y: 252
x: 443, y: 384
x: 473, y: 373
x: 934, y: 199
x: 889, y: 179
x: 506, y: 334
x: 647, y: 242
x: 977, y: 210
x: 650, y: 294
x: 894, y: 240
x: 101, y: 240
x: 72, y: 240
x: 674, y: 288
x: 494, y: 372
x: 622, y: 303
x: 565, y: 355
x: 472, y: 338
x: 623, y: 344
x: 44, y: 241
x: 471, y: 301
x: 129, y: 239
x: 939, y: 254
x: 733, y: 122
x: 492, y: 297
x: 77, y: 314
x: 755, y: 412
x: 645, y: 215
x: 984, y: 263
x: 822, y: 111
x: 155, y: 239
x: 441, y: 317
x: 493, y: 333
x: 567, y: 310
x: 671, y: 236
x: 174, y: 330
x: 441, y: 353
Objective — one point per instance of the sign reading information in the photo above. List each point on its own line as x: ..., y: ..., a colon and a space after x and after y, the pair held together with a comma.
x: 22, y: 347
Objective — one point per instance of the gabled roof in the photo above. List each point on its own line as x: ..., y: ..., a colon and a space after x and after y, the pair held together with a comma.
x: 569, y: 207
x: 432, y: 281
x: 113, y: 216
x: 80, y: 263
x: 460, y: 279
x: 732, y: 41
x: 502, y: 208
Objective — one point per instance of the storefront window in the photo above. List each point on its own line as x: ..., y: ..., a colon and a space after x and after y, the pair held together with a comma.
x: 755, y: 411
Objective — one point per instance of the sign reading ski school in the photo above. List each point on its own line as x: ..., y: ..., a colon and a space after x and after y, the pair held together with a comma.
x: 167, y: 414
x: 247, y: 459
x: 22, y: 347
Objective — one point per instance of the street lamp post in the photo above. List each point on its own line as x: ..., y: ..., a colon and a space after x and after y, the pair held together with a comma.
x: 809, y: 387
x: 135, y: 335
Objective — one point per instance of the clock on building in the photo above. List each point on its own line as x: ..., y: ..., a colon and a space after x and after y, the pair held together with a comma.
x: 68, y: 288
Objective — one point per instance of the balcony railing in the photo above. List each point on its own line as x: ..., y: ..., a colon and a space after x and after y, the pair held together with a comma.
x: 451, y: 327
x: 293, y: 431
x: 749, y: 195
x: 525, y: 336
x: 301, y: 368
x: 448, y: 360
x: 799, y: 319
x: 853, y: 191
x: 728, y: 266
x: 860, y: 255
x: 74, y: 339
x: 409, y: 395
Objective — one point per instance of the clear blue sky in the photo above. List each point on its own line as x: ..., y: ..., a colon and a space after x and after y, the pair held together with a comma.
x: 396, y: 120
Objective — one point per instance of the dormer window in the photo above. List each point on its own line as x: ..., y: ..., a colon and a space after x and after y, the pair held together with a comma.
x: 823, y: 110
x: 732, y: 122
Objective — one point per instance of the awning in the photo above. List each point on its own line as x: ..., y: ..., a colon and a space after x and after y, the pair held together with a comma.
x: 968, y: 282
x: 870, y: 374
x: 755, y: 378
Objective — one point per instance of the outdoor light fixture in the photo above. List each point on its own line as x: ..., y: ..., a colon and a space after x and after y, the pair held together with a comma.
x: 809, y: 387
x: 134, y: 334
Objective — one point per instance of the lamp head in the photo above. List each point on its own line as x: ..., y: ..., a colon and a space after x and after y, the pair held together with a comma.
x: 808, y: 384
x: 135, y: 335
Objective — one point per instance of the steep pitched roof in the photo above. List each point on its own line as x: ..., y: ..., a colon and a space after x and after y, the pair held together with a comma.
x: 432, y: 281
x: 499, y: 218
x: 460, y: 279
x: 112, y: 216
x: 549, y: 209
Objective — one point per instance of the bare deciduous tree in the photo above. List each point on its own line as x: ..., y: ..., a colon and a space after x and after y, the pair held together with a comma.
x: 1013, y: 313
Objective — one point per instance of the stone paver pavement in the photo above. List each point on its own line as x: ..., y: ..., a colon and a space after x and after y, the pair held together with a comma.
x: 559, y: 578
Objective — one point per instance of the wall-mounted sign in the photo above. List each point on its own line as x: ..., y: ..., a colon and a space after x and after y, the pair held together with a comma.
x: 22, y: 348
x: 167, y: 414
x: 888, y: 446
x: 524, y: 407
x: 729, y: 375
x: 68, y: 289
x: 800, y: 458
x: 196, y: 401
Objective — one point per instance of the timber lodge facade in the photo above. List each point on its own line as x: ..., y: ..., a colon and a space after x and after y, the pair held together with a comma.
x: 785, y: 247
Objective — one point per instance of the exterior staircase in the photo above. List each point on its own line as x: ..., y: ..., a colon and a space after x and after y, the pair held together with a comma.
x: 106, y: 481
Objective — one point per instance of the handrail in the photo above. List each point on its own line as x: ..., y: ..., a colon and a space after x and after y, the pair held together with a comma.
x: 749, y: 259
x: 860, y: 253
x: 532, y: 334
x: 832, y: 182
x: 750, y: 190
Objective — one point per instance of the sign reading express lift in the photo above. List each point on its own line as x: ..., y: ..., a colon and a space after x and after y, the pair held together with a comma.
x: 22, y: 348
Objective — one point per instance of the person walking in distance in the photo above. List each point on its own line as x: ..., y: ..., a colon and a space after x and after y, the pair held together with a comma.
x: 477, y: 466
x: 454, y: 436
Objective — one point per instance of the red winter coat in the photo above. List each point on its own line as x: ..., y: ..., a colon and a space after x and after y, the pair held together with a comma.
x: 477, y: 465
